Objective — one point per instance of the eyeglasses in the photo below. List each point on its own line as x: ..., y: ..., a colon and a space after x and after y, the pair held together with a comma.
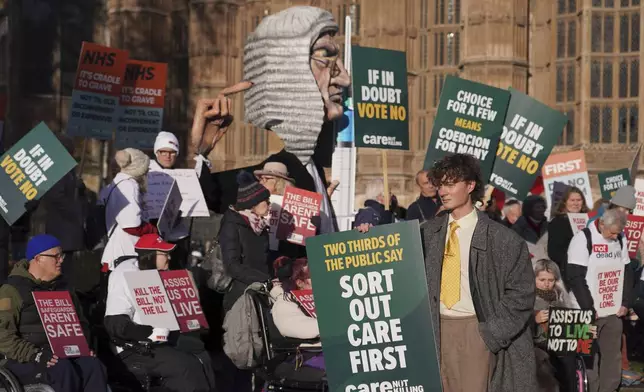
x: 167, y: 153
x: 57, y: 256
x: 329, y: 62
x: 266, y: 179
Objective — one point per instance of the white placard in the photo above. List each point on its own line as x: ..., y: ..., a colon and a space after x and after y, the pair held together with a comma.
x: 159, y: 183
x: 577, y: 222
x: 170, y: 211
x: 607, y: 288
x: 639, y: 195
x: 151, y: 299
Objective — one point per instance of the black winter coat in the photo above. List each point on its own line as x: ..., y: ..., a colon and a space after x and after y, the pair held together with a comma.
x: 559, y: 237
x: 244, y: 253
x: 66, y: 208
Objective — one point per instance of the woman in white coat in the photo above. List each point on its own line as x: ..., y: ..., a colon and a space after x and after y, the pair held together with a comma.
x: 288, y: 315
x: 123, y: 200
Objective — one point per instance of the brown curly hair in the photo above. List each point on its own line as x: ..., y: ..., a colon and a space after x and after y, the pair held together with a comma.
x: 456, y: 168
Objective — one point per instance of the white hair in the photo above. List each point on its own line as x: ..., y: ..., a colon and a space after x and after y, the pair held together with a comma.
x: 506, y: 207
x: 374, y: 189
x: 614, y: 218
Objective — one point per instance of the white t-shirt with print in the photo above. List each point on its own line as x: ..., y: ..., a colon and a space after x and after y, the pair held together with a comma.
x: 606, y: 264
x: 119, y: 297
x: 123, y: 208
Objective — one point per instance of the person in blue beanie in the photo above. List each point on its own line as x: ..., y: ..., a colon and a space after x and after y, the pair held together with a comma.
x: 23, y: 340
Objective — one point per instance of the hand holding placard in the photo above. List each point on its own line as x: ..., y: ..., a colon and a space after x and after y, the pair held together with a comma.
x: 569, y: 331
x: 182, y: 293
x: 371, y: 302
x: 62, y: 326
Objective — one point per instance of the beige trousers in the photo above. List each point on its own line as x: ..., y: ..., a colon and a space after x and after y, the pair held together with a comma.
x: 465, y: 360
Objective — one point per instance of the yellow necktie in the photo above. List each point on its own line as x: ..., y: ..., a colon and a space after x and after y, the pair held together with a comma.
x: 451, y: 275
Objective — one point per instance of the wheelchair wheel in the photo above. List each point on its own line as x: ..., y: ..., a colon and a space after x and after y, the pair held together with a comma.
x: 8, y: 382
x: 582, y: 377
x: 38, y: 388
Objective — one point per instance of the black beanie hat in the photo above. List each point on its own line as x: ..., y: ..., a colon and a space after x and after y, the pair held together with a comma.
x: 250, y: 192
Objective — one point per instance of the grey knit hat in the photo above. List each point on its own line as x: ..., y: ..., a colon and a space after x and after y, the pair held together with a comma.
x: 285, y: 97
x: 625, y: 197
x: 133, y: 162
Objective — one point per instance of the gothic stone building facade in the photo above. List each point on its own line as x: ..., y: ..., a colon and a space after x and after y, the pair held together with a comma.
x: 579, y: 56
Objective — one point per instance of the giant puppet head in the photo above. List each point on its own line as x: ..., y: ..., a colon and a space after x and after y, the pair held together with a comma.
x: 298, y: 77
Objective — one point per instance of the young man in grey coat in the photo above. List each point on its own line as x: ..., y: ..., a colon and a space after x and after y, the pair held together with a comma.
x: 481, y: 289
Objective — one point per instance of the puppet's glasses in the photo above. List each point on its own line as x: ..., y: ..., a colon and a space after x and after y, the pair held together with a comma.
x: 329, y: 62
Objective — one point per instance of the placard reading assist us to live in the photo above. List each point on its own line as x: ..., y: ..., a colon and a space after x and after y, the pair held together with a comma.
x: 633, y: 231
x: 182, y: 293
x: 380, y: 98
x: 569, y: 331
x: 305, y: 299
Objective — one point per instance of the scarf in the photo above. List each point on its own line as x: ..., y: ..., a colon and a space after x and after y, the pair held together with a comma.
x: 547, y: 295
x: 257, y: 223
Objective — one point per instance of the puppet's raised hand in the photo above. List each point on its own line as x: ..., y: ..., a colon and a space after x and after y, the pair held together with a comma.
x: 212, y: 119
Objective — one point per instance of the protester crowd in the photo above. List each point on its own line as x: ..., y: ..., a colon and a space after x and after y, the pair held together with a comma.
x: 184, y: 363
x: 494, y: 267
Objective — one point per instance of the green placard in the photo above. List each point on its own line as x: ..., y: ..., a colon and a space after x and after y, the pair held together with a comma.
x: 381, y: 115
x: 610, y: 182
x: 530, y: 132
x: 365, y: 283
x: 29, y: 169
x: 469, y: 120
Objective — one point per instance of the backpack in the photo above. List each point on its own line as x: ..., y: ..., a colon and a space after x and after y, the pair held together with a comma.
x: 243, y: 342
x: 218, y: 280
x: 589, y: 240
x: 213, y: 262
x: 96, y: 235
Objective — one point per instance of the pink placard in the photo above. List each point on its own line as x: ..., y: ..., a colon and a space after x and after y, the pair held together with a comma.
x: 62, y: 326
x: 633, y: 231
x: 299, y: 207
x: 305, y: 299
x: 182, y: 293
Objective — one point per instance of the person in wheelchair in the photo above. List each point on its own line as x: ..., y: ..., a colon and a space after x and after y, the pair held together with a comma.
x: 292, y: 321
x: 179, y: 361
x: 289, y: 317
x: 23, y: 340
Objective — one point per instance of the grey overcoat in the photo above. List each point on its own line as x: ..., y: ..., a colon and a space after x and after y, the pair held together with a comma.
x: 503, y: 289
